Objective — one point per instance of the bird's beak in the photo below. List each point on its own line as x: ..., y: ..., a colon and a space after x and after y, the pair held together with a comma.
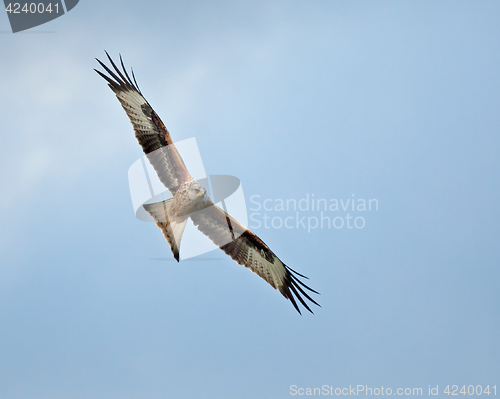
x: 200, y: 194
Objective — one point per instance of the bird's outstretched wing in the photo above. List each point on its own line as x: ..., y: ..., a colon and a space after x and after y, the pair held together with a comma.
x: 249, y: 250
x: 149, y: 130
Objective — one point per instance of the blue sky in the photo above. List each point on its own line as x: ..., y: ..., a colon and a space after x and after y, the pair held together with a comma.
x: 396, y: 101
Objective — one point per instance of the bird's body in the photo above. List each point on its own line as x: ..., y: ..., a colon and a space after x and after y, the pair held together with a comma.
x: 190, y: 199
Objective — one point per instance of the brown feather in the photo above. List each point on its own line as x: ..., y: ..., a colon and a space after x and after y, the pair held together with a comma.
x: 248, y: 250
x: 150, y: 131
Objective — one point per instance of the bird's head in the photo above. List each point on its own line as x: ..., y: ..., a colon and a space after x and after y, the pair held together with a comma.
x: 197, y: 192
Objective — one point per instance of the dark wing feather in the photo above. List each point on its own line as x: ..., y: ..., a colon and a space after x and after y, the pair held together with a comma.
x: 150, y: 131
x: 250, y: 251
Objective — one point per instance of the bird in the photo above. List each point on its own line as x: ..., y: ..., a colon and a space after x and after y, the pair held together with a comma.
x: 190, y: 199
